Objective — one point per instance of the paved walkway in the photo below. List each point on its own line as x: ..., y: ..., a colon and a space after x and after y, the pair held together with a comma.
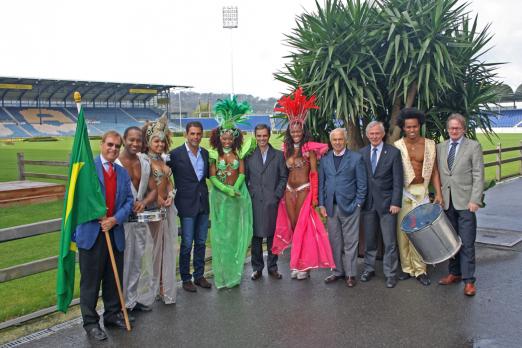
x: 309, y: 313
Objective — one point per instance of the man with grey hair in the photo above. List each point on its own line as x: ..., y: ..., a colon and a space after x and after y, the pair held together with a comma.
x: 461, y: 167
x: 342, y: 189
x: 382, y: 203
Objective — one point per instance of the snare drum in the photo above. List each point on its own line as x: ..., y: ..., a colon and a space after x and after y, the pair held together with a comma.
x: 150, y: 216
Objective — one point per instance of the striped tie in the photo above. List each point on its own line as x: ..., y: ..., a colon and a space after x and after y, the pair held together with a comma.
x: 373, y: 159
x: 451, y: 155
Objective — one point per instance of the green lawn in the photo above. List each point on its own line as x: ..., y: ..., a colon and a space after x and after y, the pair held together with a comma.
x: 31, y: 293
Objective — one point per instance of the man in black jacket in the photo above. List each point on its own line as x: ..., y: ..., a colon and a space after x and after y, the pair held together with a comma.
x: 189, y: 164
x: 383, y: 202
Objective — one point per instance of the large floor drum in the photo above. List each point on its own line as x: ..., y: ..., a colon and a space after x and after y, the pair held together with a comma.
x: 431, y: 232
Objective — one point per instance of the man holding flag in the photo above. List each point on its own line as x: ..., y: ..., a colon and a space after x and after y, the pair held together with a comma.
x: 98, y: 201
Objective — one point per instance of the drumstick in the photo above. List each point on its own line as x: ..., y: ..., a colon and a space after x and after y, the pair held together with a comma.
x: 117, y: 279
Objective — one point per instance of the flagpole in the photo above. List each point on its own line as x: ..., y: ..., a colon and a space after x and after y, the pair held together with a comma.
x: 78, y: 100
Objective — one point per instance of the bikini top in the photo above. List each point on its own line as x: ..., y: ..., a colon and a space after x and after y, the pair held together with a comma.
x: 158, y: 175
x: 297, y: 163
x: 223, y: 165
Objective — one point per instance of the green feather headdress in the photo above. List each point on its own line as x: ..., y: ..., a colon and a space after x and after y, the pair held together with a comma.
x: 229, y: 113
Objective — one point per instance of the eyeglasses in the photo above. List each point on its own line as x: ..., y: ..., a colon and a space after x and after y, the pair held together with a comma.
x: 113, y: 145
x: 455, y: 129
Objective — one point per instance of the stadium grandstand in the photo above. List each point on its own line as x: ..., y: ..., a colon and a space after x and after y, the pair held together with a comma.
x: 43, y: 107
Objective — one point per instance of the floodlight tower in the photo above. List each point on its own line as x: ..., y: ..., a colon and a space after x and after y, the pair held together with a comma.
x: 230, y: 22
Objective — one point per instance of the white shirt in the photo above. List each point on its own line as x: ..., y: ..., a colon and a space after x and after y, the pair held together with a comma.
x: 105, y: 163
x: 263, y: 154
x: 451, y: 141
x: 340, y: 153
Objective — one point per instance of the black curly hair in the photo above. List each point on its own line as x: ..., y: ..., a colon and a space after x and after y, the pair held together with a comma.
x: 289, y: 142
x: 215, y: 140
x: 408, y: 113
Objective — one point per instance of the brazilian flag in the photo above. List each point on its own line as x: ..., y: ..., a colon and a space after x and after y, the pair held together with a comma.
x: 83, y: 202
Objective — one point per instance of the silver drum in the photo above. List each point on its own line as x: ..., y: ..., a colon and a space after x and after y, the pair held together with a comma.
x: 431, y: 233
x: 151, y: 215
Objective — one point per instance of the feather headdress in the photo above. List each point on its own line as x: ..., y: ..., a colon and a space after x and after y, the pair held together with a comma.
x: 229, y: 113
x: 158, y: 128
x: 296, y: 106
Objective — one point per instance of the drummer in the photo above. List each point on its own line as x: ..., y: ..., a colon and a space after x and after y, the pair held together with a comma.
x: 144, y: 191
x: 420, y: 168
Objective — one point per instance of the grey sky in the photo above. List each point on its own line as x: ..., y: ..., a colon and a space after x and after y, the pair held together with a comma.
x: 183, y: 42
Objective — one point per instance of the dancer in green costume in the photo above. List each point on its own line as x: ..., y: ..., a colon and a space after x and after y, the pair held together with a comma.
x: 230, y: 204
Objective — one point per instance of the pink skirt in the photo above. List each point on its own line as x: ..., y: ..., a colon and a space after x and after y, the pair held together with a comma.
x: 310, y: 244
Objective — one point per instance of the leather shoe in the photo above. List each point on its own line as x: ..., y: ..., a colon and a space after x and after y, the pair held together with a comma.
x: 141, y: 307
x: 350, y: 282
x: 469, y: 289
x: 423, y: 279
x: 203, y: 283
x: 189, y: 286
x: 332, y: 278
x: 97, y: 333
x: 450, y: 279
x: 367, y: 276
x: 275, y: 274
x: 120, y: 316
x: 256, y: 275
x: 391, y: 282
x: 404, y: 276
x: 118, y: 323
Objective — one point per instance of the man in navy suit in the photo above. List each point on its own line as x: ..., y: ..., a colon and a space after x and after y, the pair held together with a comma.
x: 383, y: 202
x: 342, y: 190
x: 95, y: 264
x: 189, y: 164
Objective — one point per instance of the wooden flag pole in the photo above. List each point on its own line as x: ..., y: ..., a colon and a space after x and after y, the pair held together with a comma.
x: 78, y: 100
x: 117, y: 279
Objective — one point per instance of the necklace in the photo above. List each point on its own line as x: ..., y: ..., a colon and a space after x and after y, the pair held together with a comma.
x: 154, y: 156
x: 227, y: 150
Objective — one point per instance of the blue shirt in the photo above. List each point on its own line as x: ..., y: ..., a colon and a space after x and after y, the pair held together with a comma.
x: 379, y: 150
x: 197, y: 162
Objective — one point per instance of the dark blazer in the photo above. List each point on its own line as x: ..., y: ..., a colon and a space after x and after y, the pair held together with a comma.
x: 85, y: 234
x: 191, y: 194
x: 385, y: 185
x: 266, y: 184
x: 348, y: 183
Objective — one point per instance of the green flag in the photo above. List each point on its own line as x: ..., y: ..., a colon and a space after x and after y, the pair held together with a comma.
x: 83, y: 202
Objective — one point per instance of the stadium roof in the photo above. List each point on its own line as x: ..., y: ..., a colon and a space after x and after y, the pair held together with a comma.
x: 29, y: 89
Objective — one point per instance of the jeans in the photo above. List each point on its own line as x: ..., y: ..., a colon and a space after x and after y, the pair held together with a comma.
x: 194, y: 230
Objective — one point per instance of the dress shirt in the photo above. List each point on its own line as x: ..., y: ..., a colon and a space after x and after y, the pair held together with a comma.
x: 196, y: 161
x: 379, y: 150
x: 451, y: 141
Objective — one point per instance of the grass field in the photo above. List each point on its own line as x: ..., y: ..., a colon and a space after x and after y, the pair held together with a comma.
x: 31, y: 293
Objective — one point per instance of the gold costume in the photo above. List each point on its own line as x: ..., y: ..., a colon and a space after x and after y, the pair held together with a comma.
x: 413, y: 195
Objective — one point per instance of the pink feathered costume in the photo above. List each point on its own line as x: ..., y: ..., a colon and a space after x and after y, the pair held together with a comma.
x: 310, y: 245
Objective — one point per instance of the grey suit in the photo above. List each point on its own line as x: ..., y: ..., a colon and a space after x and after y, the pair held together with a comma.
x: 384, y: 190
x: 342, y: 192
x: 462, y: 184
x: 266, y: 183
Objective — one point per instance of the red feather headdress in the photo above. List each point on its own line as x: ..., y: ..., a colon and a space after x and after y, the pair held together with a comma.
x: 296, y: 108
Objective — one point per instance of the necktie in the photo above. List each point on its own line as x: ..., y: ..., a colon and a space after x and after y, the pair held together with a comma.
x: 451, y: 155
x: 111, y: 169
x: 374, y: 159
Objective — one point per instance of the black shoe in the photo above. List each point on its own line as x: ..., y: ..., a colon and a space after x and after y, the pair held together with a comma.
x: 366, y: 276
x: 332, y: 278
x: 275, y: 274
x: 256, y: 275
x: 189, y: 286
x: 404, y: 276
x: 141, y: 307
x: 118, y: 323
x: 391, y: 282
x: 423, y: 279
x: 120, y: 316
x: 203, y: 283
x: 96, y: 333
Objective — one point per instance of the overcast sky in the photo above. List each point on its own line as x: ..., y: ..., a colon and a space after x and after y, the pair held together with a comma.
x: 183, y: 42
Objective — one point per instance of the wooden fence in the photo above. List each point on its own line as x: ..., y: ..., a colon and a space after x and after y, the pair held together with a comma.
x: 22, y: 174
x: 499, y: 161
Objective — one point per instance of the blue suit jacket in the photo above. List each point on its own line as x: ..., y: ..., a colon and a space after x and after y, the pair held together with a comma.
x: 85, y: 234
x: 348, y: 183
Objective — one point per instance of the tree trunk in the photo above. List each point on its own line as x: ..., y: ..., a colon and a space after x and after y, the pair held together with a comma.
x: 355, y: 141
x: 394, y: 133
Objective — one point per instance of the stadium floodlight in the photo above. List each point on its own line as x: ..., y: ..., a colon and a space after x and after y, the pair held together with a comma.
x: 230, y: 20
